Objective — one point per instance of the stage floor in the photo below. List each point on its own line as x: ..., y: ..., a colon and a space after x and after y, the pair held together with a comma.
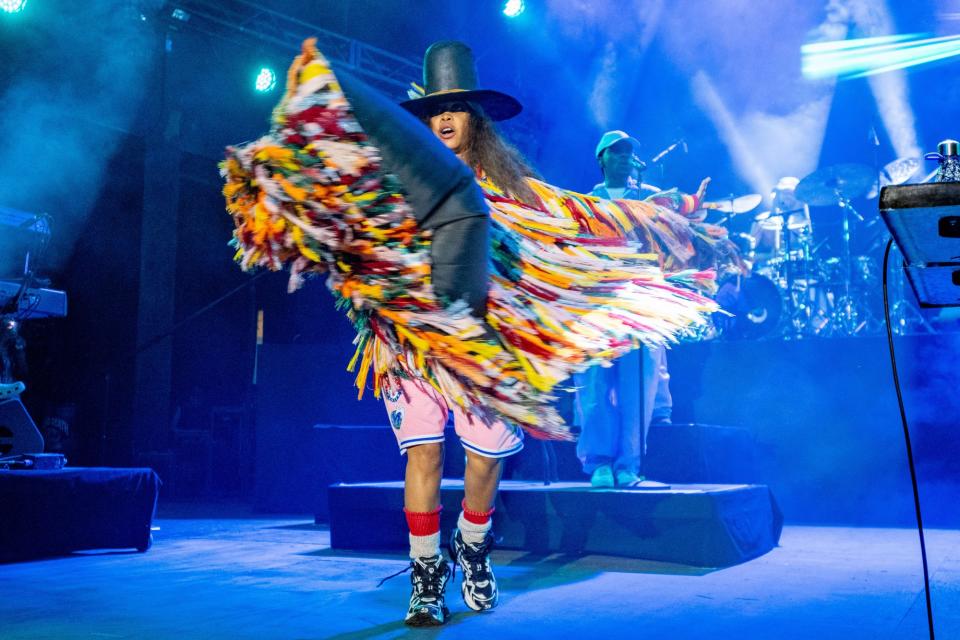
x: 218, y: 574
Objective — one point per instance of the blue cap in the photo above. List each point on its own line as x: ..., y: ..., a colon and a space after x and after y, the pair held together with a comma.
x: 611, y: 138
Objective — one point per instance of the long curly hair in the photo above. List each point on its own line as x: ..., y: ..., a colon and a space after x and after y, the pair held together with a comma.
x: 487, y: 151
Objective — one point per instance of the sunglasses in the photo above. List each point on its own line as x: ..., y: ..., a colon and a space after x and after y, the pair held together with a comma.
x: 456, y: 106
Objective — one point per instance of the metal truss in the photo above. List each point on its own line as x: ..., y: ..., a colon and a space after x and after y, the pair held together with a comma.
x: 240, y: 21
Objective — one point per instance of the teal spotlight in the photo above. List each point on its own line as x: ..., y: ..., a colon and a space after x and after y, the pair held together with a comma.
x: 266, y: 80
x: 12, y: 6
x: 513, y: 8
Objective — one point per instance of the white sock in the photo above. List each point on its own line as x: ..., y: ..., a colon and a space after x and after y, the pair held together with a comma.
x: 424, y: 546
x: 470, y: 532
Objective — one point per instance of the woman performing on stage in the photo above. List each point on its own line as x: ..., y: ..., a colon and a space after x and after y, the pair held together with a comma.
x: 475, y: 288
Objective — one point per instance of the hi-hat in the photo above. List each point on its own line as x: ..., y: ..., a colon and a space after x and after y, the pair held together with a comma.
x: 828, y: 185
x: 742, y: 204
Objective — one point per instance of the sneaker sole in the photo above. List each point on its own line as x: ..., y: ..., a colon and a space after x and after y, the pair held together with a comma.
x: 424, y: 619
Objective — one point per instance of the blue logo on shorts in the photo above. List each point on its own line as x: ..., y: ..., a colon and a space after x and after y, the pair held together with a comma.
x: 393, y: 393
x: 396, y: 418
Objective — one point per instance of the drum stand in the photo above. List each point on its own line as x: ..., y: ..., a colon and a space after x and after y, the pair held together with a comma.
x: 799, y: 317
x: 805, y: 318
x: 905, y: 318
x: 848, y: 317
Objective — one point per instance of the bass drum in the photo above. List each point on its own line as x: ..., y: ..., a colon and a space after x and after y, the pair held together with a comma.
x: 756, y: 304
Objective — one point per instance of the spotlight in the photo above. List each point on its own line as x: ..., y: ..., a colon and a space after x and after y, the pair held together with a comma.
x: 12, y: 6
x: 266, y: 80
x: 513, y: 8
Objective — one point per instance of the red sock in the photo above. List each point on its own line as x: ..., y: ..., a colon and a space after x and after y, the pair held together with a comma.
x: 424, y: 523
x: 476, y: 517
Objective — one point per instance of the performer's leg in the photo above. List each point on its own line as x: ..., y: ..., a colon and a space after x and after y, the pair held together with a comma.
x: 596, y: 413
x: 421, y: 489
x: 485, y: 446
x: 421, y: 498
x: 480, y: 482
x: 651, y: 381
x: 418, y: 416
x: 632, y: 415
x: 663, y: 401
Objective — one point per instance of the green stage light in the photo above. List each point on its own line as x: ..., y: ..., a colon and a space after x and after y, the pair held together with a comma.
x: 266, y: 80
x: 12, y: 6
x: 513, y: 8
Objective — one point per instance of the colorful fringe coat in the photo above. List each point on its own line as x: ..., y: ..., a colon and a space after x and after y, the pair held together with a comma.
x: 574, y: 282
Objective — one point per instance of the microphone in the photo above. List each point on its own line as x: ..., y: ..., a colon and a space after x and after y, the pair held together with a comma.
x: 660, y: 156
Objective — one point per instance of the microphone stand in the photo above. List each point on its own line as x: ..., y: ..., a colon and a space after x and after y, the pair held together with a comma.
x: 147, y: 344
x: 657, y: 159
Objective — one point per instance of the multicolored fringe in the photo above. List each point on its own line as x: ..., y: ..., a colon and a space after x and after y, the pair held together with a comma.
x: 665, y: 224
x: 568, y: 290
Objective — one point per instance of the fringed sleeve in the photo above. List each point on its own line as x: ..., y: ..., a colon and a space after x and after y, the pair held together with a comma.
x: 567, y: 290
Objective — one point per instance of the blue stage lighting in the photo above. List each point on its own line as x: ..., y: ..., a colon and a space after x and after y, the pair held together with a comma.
x: 12, y: 6
x: 869, y: 56
x: 513, y: 8
x: 266, y: 80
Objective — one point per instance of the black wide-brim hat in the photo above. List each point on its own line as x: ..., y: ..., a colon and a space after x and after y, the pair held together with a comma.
x: 450, y: 73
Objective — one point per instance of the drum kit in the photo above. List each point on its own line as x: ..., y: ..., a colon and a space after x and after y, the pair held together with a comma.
x: 803, y: 285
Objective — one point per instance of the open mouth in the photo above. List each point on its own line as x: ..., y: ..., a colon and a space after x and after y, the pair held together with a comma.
x: 447, y: 132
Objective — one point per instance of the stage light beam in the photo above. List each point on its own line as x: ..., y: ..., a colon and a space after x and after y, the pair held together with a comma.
x: 513, y: 8
x: 870, y: 56
x: 12, y: 6
x: 266, y: 80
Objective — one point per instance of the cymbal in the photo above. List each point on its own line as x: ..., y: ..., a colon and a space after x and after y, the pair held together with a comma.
x: 827, y: 185
x: 899, y: 171
x: 742, y: 204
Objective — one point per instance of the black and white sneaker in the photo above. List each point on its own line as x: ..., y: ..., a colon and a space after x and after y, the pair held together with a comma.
x: 429, y: 577
x: 479, y: 587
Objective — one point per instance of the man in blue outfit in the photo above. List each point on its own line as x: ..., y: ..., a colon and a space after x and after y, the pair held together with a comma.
x: 613, y: 418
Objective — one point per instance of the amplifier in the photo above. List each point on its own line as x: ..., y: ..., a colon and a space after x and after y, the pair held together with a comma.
x: 34, y: 461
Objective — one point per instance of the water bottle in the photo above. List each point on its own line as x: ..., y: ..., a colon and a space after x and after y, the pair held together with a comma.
x: 948, y: 155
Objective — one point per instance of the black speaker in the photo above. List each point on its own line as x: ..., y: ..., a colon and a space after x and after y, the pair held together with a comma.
x: 18, y: 433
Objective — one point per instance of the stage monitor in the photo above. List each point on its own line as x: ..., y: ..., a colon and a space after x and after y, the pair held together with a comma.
x: 925, y: 222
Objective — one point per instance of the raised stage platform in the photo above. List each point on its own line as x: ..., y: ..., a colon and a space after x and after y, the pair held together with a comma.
x: 48, y: 513
x: 703, y: 525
